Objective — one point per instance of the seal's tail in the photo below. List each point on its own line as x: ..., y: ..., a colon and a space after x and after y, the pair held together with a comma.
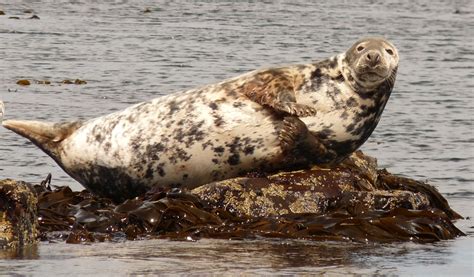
x: 45, y: 135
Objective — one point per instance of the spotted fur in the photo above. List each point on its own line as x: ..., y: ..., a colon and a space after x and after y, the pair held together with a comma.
x: 264, y: 120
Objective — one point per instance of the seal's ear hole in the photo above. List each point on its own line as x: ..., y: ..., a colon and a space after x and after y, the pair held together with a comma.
x: 389, y: 51
x: 360, y: 48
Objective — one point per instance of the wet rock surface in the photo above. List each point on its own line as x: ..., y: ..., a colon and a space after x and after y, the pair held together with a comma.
x: 355, y: 186
x: 18, y: 214
x: 352, y: 201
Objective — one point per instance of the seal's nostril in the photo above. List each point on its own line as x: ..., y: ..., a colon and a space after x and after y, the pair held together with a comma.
x: 373, y: 57
x: 377, y: 57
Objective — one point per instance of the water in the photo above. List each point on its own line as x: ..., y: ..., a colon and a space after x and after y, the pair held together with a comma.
x: 128, y: 56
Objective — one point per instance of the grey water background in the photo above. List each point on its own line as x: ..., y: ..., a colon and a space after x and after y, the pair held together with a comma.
x: 128, y: 56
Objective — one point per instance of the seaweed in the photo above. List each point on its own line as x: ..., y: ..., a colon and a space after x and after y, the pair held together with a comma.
x: 352, y: 201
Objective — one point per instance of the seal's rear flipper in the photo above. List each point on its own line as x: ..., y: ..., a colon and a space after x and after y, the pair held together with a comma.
x: 45, y: 135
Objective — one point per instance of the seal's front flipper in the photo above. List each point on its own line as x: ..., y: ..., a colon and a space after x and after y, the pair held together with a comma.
x: 276, y: 89
x: 286, y: 102
x: 295, y: 138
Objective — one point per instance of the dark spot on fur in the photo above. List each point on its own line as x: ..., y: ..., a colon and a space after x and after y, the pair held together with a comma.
x: 213, y: 106
x: 351, y: 102
x: 325, y: 133
x: 219, y: 149
x: 248, y: 150
x: 234, y: 145
x: 123, y: 186
x: 350, y: 128
x: 206, y: 144
x: 343, y: 149
x: 132, y: 118
x: 185, y: 177
x: 149, y: 173
x: 237, y: 104
x: 190, y: 135
x: 216, y: 161
x: 234, y: 159
x: 332, y: 63
x: 178, y: 155
x: 173, y: 106
x: 160, y: 170
x: 215, y: 175
x: 316, y: 73
x: 345, y: 115
x: 107, y: 146
x: 339, y: 78
x: 152, y: 151
x: 218, y: 120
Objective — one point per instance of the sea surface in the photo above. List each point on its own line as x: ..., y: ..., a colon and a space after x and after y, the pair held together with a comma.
x: 128, y: 55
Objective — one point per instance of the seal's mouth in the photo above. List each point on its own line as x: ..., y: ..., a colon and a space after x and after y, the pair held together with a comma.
x: 372, y: 74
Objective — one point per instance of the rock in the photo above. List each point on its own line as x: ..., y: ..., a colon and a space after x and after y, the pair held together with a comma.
x: 34, y: 17
x: 355, y: 186
x: 79, y: 82
x: 18, y: 214
x: 2, y: 13
x: 14, y: 17
x: 351, y: 201
x: 23, y: 82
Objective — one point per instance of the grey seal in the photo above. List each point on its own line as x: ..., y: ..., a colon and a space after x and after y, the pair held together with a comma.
x: 265, y: 120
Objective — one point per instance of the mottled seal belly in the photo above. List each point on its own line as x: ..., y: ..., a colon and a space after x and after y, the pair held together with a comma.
x: 264, y: 120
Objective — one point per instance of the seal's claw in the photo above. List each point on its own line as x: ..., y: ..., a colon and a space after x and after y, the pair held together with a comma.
x: 296, y: 109
x: 303, y: 110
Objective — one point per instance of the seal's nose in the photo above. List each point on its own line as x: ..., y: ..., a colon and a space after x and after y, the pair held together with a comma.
x: 373, y: 57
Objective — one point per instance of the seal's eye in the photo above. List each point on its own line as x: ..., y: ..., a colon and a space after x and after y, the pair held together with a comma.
x: 389, y: 51
x: 360, y: 48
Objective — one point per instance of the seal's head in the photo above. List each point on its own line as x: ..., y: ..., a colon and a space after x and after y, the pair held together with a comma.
x: 371, y: 61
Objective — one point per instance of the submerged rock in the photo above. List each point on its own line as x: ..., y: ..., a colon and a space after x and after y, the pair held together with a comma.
x: 351, y: 201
